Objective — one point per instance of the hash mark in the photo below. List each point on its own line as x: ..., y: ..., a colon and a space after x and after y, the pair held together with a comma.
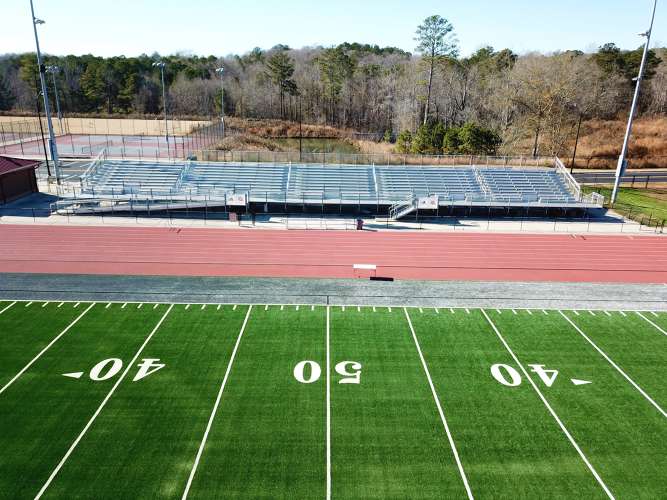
x: 28, y: 304
x: 203, y: 306
x: 436, y: 310
x: 451, y: 309
x: 545, y: 312
x: 297, y: 308
x: 76, y: 305
x: 61, y: 304
x: 623, y: 314
x: 155, y: 306
x: 282, y: 308
x: 654, y: 314
x: 45, y: 304
x: 607, y: 313
x: 514, y: 312
x: 421, y: 310
x: 575, y: 312
x: 266, y: 307
x: 187, y: 307
x: 139, y: 306
x: 123, y: 307
x: 530, y: 313
x: 389, y: 309
x: 467, y: 311
x: 234, y: 308
x: 358, y: 309
x: 108, y: 305
x: 591, y: 313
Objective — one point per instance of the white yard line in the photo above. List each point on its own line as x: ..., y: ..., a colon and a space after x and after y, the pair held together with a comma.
x: 652, y: 323
x: 200, y: 451
x: 33, y: 360
x: 130, y: 366
x: 440, y: 411
x: 548, y: 406
x: 618, y: 368
x: 6, y: 308
x: 328, y: 405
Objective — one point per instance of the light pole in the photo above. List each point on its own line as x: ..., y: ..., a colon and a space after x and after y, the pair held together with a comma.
x: 42, y: 79
x: 53, y: 70
x: 622, y: 159
x: 161, y: 65
x: 221, y: 72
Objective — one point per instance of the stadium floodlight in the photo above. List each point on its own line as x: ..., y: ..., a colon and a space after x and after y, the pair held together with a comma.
x: 161, y: 65
x: 54, y: 70
x: 221, y: 72
x: 622, y: 159
x: 42, y: 79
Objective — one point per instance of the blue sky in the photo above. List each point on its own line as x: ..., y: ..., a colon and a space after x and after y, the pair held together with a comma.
x: 219, y: 27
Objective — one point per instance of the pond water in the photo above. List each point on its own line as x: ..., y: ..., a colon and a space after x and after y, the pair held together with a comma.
x: 310, y: 145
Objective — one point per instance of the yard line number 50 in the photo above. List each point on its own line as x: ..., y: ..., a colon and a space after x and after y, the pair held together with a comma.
x: 309, y: 372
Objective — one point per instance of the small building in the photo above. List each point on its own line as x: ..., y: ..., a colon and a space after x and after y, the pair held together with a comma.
x: 17, y: 178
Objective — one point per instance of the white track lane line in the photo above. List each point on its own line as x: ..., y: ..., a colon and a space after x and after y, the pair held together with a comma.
x: 548, y: 406
x: 328, y: 404
x: 130, y: 366
x: 652, y: 323
x: 440, y: 411
x: 200, y: 451
x: 618, y: 368
x: 32, y: 361
x: 6, y: 308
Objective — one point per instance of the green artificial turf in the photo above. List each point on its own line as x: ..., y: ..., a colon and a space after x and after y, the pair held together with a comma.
x: 269, y: 434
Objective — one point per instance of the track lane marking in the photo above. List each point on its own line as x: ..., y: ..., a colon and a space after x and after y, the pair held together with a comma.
x: 9, y: 306
x: 549, y: 408
x: 200, y: 451
x: 55, y: 339
x: 657, y: 327
x: 618, y: 368
x: 130, y: 366
x: 440, y: 411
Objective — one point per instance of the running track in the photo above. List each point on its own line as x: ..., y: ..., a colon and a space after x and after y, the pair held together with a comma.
x: 407, y: 255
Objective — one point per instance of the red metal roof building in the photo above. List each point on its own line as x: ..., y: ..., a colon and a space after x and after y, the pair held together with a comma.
x: 17, y: 178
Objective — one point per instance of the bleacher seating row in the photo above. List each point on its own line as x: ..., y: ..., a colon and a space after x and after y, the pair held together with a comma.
x: 330, y: 183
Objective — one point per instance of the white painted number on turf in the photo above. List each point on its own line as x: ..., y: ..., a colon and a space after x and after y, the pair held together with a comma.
x: 315, y: 372
x: 147, y: 367
x: 96, y: 373
x: 500, y: 372
x: 351, y: 372
x: 308, y: 372
x: 547, y: 376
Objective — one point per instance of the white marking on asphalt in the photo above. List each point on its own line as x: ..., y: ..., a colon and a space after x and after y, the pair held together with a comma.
x: 130, y: 366
x: 548, y: 406
x: 6, y: 308
x: 33, y: 360
x: 618, y: 368
x: 652, y: 323
x: 200, y: 451
x: 439, y: 407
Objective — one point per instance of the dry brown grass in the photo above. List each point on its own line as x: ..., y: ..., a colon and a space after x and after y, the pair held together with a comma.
x: 283, y: 128
x: 372, y: 147
x: 248, y: 142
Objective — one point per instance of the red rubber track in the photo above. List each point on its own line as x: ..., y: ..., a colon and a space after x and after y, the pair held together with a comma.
x: 322, y: 254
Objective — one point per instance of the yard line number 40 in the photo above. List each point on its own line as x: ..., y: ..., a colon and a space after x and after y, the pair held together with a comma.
x: 509, y: 377
x: 309, y: 372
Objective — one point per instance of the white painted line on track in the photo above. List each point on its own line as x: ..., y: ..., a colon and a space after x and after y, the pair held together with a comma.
x: 6, y: 308
x: 591, y: 313
x: 437, y: 404
x: 618, y: 368
x: 33, y: 360
x: 657, y: 327
x: 374, y: 310
x: 548, y: 406
x: 328, y: 429
x: 200, y: 451
x: 130, y: 366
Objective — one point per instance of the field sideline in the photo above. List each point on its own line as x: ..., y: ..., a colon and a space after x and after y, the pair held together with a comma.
x: 116, y: 400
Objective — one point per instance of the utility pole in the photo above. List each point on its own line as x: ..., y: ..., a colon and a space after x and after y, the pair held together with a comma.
x: 622, y: 159
x: 576, y: 142
x: 221, y: 72
x: 161, y: 65
x: 53, y: 70
x: 42, y: 79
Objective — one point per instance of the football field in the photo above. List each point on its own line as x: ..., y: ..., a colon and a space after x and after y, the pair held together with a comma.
x: 137, y: 400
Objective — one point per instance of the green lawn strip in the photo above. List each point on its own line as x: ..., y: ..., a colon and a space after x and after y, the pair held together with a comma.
x: 619, y: 431
x: 387, y: 437
x: 637, y: 347
x: 44, y: 412
x: 145, y: 441
x: 637, y: 202
x: 510, y: 445
x: 268, y: 438
x: 27, y: 330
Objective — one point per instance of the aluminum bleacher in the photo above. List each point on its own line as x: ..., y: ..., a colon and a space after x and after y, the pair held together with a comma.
x: 305, y: 185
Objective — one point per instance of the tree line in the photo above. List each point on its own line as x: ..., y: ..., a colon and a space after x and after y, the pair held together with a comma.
x: 434, y: 100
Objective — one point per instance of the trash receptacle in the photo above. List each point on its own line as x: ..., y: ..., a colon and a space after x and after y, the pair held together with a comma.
x: 360, y: 224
